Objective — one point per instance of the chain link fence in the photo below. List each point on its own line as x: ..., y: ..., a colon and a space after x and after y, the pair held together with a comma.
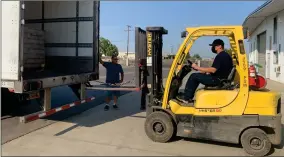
x: 166, y: 62
x: 121, y: 60
x: 206, y: 63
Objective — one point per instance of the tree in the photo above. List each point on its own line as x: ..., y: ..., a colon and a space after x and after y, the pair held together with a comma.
x: 188, y: 56
x: 107, y: 48
x: 170, y: 56
x: 229, y: 51
x: 196, y: 57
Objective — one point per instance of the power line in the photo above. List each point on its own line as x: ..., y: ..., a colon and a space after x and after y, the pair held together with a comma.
x: 172, y: 47
x: 128, y: 30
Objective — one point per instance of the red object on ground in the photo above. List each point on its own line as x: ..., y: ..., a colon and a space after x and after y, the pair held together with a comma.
x: 252, y: 81
x: 260, y: 82
x: 11, y: 90
x: 255, y: 80
x: 252, y: 75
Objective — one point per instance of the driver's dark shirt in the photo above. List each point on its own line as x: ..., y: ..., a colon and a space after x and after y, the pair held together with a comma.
x: 223, y: 63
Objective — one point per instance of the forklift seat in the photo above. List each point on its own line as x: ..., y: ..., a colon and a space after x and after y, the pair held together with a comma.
x: 224, y: 83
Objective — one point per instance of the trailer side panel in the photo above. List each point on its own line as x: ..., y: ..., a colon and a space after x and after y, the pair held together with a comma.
x: 10, y: 40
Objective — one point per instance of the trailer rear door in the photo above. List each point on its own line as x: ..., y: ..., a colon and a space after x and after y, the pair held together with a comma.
x: 11, y: 23
x: 71, y: 36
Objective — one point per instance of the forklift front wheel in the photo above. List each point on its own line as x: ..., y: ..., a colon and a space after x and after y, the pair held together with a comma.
x: 159, y: 127
x: 255, y: 142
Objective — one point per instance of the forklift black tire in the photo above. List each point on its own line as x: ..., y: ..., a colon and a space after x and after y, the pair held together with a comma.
x: 255, y: 142
x: 159, y: 127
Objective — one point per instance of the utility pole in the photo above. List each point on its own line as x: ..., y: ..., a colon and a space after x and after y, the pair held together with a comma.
x: 172, y: 47
x: 128, y: 30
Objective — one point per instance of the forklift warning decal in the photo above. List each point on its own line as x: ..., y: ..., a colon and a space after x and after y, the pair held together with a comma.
x: 244, y: 64
x: 245, y: 84
x: 149, y: 43
x: 210, y: 110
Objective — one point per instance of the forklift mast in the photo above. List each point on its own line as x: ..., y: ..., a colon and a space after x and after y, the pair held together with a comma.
x: 148, y: 51
x: 155, y: 58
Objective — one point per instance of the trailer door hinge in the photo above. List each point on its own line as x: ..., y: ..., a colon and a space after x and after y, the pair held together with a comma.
x: 23, y: 6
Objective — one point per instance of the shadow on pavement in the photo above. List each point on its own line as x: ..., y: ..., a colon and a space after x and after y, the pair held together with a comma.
x: 128, y: 106
x: 12, y: 128
x: 281, y: 146
x: 272, y: 151
x: 80, y: 108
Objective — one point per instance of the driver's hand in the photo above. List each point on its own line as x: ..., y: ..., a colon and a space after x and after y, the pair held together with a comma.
x: 194, y: 66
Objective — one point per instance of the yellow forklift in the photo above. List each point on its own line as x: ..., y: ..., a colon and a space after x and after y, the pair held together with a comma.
x: 231, y: 112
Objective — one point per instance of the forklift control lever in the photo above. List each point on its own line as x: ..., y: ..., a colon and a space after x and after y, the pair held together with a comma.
x: 189, y: 62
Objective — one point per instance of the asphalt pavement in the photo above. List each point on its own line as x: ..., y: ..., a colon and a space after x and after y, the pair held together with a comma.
x: 95, y: 132
x: 113, y: 133
x: 12, y: 128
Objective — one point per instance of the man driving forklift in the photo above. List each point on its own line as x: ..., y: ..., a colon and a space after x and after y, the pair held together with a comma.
x: 230, y: 110
x: 210, y: 76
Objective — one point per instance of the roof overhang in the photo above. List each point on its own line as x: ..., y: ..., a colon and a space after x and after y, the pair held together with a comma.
x: 254, y: 19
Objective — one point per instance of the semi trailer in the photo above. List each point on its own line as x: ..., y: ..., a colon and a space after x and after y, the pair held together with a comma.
x: 46, y: 44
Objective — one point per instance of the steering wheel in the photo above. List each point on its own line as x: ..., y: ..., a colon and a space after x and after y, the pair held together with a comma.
x: 189, y: 63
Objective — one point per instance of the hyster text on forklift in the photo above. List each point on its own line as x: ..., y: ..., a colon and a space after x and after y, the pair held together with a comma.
x: 236, y: 111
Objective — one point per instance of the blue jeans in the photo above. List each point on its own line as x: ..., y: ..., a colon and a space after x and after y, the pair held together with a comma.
x: 194, y: 80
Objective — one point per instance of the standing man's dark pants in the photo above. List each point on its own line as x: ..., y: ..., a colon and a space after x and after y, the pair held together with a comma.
x: 144, y: 92
x: 194, y: 80
x: 75, y: 88
x: 145, y: 89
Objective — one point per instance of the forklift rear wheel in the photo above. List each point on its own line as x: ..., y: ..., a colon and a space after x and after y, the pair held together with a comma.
x: 159, y: 127
x: 255, y: 142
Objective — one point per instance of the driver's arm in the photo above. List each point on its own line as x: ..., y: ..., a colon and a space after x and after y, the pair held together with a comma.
x: 206, y: 70
x: 216, y: 65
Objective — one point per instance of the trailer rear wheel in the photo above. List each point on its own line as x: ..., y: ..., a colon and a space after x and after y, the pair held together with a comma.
x: 255, y: 142
x: 159, y: 127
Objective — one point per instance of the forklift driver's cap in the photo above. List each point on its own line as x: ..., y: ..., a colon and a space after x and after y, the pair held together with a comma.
x: 217, y: 42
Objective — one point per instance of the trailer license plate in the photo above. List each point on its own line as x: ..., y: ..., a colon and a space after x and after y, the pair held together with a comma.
x: 33, y: 95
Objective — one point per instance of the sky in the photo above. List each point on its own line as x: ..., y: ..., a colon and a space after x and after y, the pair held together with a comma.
x: 174, y: 16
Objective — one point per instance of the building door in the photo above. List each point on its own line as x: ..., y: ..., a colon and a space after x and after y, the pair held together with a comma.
x: 261, y: 48
x: 268, y: 66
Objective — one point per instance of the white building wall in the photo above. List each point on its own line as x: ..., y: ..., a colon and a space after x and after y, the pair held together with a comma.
x: 131, y: 55
x: 267, y: 25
